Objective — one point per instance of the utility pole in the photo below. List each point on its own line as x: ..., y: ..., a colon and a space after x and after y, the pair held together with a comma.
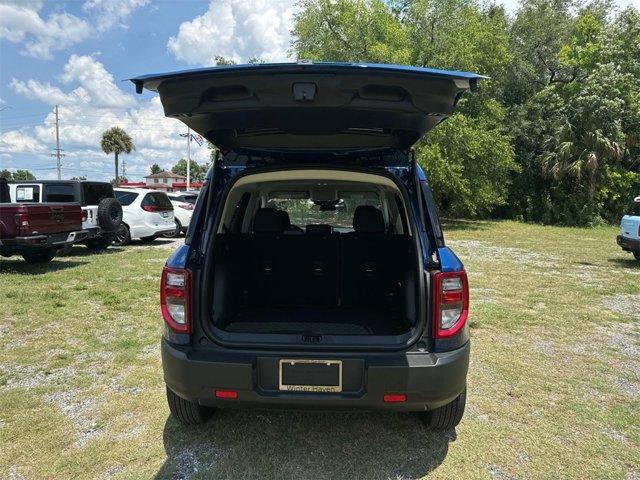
x: 124, y: 168
x: 58, y: 154
x: 188, y: 159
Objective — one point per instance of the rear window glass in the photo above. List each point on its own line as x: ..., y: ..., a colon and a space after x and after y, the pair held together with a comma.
x: 634, y: 209
x: 27, y: 194
x: 4, y: 191
x: 126, y: 198
x: 338, y: 212
x: 92, y: 193
x: 59, y: 193
x: 157, y: 199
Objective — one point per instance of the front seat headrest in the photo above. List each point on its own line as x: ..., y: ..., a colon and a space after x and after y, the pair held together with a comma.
x: 268, y: 220
x: 368, y: 219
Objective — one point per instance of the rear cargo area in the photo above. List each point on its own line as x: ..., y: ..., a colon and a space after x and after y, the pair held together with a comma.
x: 314, y: 257
x: 314, y: 284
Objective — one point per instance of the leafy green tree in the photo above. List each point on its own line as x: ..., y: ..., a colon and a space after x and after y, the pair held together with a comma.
x: 116, y: 141
x: 155, y: 168
x: 198, y: 171
x: 18, y: 175
x: 350, y: 31
x: 23, y: 175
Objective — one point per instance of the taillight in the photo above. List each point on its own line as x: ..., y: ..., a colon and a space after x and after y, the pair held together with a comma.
x: 85, y: 215
x: 451, y: 303
x: 22, y: 222
x: 175, y: 297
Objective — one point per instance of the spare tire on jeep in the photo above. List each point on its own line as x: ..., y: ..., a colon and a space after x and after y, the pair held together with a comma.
x: 109, y: 214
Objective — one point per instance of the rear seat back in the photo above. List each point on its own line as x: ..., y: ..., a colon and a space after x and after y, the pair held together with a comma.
x: 269, y: 268
x: 373, y: 262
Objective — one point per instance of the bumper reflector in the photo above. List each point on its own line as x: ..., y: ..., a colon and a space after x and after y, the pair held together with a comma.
x: 227, y: 394
x: 394, y: 398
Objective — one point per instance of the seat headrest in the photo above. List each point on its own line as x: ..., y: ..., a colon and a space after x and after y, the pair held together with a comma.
x: 319, y: 229
x: 268, y: 220
x: 285, y: 218
x: 368, y: 219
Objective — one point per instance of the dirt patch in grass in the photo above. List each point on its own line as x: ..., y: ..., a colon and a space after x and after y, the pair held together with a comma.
x: 625, y: 304
x: 82, y: 413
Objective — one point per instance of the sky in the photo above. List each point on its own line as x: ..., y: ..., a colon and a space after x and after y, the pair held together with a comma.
x: 77, y: 55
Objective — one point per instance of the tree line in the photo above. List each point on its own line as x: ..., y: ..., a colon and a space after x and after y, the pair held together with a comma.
x: 552, y: 135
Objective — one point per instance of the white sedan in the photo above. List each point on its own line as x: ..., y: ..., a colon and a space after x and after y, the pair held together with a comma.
x: 183, y: 203
x: 147, y: 214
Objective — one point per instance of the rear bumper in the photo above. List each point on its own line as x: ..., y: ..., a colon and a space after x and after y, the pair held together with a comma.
x: 429, y: 380
x: 44, y: 241
x: 149, y: 231
x: 628, y: 244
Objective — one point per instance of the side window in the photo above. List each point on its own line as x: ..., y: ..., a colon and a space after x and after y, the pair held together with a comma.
x: 27, y: 194
x: 126, y: 198
x: 155, y: 180
x: 60, y: 193
x: 92, y: 193
x: 164, y: 180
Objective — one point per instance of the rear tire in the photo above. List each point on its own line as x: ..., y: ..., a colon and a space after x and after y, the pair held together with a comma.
x: 448, y: 416
x: 148, y: 239
x: 637, y: 255
x: 99, y: 244
x: 39, y: 256
x: 122, y: 236
x: 186, y: 412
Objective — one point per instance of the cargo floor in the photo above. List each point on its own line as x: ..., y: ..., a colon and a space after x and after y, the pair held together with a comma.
x: 319, y: 321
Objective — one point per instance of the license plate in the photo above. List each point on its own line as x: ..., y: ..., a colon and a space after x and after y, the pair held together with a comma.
x: 310, y: 375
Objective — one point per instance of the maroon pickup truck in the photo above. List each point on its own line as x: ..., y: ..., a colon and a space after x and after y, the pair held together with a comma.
x: 37, y: 230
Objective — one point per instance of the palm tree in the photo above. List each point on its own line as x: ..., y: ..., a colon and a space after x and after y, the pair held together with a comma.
x: 578, y: 155
x: 116, y: 141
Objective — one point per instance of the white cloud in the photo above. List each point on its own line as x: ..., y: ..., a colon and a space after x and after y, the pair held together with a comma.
x: 17, y: 142
x: 112, y: 12
x: 21, y: 22
x: 96, y: 88
x: 90, y: 103
x: 238, y: 30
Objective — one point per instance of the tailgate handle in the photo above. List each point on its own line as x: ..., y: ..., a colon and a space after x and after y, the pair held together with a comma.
x: 304, y: 92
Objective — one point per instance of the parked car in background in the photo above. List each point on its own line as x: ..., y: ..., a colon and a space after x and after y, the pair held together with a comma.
x: 147, y: 214
x: 316, y: 272
x: 629, y: 238
x: 182, y: 210
x: 101, y: 212
x: 37, y: 230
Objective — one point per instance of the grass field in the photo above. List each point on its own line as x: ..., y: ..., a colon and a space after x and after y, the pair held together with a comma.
x: 554, y: 382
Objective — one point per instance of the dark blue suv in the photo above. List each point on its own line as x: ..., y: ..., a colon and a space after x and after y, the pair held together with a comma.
x: 314, y: 272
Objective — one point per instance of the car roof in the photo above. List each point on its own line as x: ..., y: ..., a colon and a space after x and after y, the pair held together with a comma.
x: 137, y: 190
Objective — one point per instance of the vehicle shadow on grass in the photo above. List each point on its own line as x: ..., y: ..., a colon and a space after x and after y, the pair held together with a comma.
x: 625, y: 262
x: 303, y: 444
x: 18, y: 266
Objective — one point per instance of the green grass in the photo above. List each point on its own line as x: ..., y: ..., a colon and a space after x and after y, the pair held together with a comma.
x: 553, y: 386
